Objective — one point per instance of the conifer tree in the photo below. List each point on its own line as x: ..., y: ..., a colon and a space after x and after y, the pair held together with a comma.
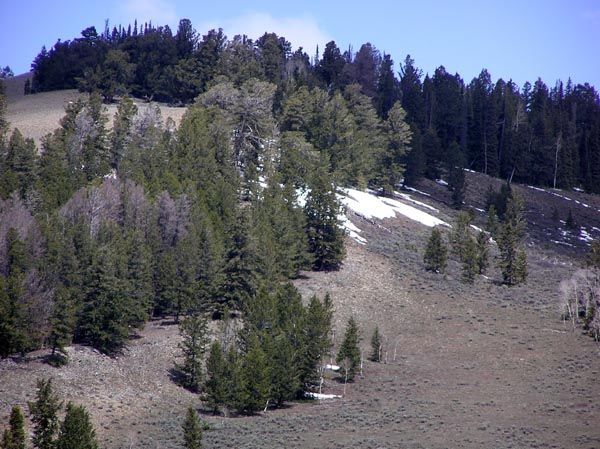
x: 513, y: 259
x: 376, y: 346
x: 192, y: 430
x: 348, y: 356
x: 469, y: 260
x: 63, y: 324
x: 15, y: 435
x: 460, y: 235
x: 316, y: 339
x: 284, y: 376
x: 44, y: 415
x: 255, y: 376
x: 76, y: 430
x: 436, y: 254
x: 492, y: 221
x: 215, y: 386
x: 325, y: 236
x: 482, y: 252
x: 194, y: 330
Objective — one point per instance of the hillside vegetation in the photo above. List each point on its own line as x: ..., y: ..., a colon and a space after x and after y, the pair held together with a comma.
x: 236, y: 255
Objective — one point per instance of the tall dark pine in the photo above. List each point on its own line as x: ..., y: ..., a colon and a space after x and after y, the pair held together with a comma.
x: 325, y: 236
x: 388, y: 89
x: 77, y: 431
x: 44, y: 415
x: 348, y: 356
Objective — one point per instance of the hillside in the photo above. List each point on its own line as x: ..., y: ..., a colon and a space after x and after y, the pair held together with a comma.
x: 39, y: 114
x: 468, y: 366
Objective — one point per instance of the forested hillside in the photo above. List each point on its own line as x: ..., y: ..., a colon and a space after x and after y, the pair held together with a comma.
x: 535, y: 133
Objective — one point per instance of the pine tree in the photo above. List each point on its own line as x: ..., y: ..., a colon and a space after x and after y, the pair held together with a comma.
x: 255, y: 376
x: 436, y: 254
x: 194, y: 330
x: 316, y: 340
x: 513, y: 260
x: 593, y: 256
x: 44, y: 415
x: 76, y: 430
x: 15, y: 435
x: 460, y: 235
x: 192, y: 430
x: 63, y: 324
x: 215, y: 386
x: 469, y: 260
x: 376, y: 346
x: 325, y: 236
x: 348, y: 356
x: 492, y: 221
x: 284, y: 376
x: 482, y: 252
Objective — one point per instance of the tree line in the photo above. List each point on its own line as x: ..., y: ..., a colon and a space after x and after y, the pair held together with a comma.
x: 537, y: 134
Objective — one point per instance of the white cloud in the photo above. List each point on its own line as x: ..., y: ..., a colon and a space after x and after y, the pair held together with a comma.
x: 303, y: 31
x: 159, y: 12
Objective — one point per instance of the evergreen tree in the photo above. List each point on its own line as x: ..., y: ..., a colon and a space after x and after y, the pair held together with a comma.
x: 316, y: 340
x: 376, y: 346
x: 194, y: 330
x: 284, y: 376
x: 325, y: 236
x: 63, y: 322
x: 436, y: 254
x: 192, y: 430
x: 44, y: 415
x: 470, y: 266
x: 14, y: 436
x: 348, y: 356
x: 492, y: 221
x: 240, y: 272
x: 215, y: 386
x: 398, y: 134
x: 255, y: 376
x: 76, y: 430
x: 482, y: 252
x: 460, y: 235
x: 593, y: 256
x: 513, y: 260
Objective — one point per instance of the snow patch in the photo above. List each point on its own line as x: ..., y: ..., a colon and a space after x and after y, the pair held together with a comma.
x: 476, y: 228
x: 369, y: 205
x: 577, y: 189
x: 407, y: 197
x: 412, y: 189
x: 585, y: 236
x: 441, y: 182
x: 321, y: 395
x: 332, y: 367
x: 469, y: 170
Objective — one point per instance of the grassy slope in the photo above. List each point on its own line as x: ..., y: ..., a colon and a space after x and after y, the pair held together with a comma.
x: 39, y: 114
x: 475, y: 366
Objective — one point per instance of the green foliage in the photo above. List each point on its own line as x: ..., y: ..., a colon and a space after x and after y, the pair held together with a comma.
x: 44, y: 415
x: 348, y: 356
x: 436, y: 254
x: 376, y: 346
x: 513, y: 259
x: 570, y: 221
x: 470, y: 267
x: 215, y: 386
x: 63, y: 323
x: 253, y: 391
x: 76, y: 431
x: 461, y: 234
x: 325, y: 236
x: 593, y: 256
x: 194, y: 330
x: 14, y: 437
x: 192, y: 430
x: 482, y: 252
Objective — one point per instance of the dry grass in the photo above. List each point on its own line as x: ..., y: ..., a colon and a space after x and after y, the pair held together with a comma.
x: 39, y: 114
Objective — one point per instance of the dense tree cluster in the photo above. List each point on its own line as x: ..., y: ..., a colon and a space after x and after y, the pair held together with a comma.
x: 539, y: 134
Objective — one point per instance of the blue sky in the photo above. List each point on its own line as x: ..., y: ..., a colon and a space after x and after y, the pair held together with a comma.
x: 518, y: 39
